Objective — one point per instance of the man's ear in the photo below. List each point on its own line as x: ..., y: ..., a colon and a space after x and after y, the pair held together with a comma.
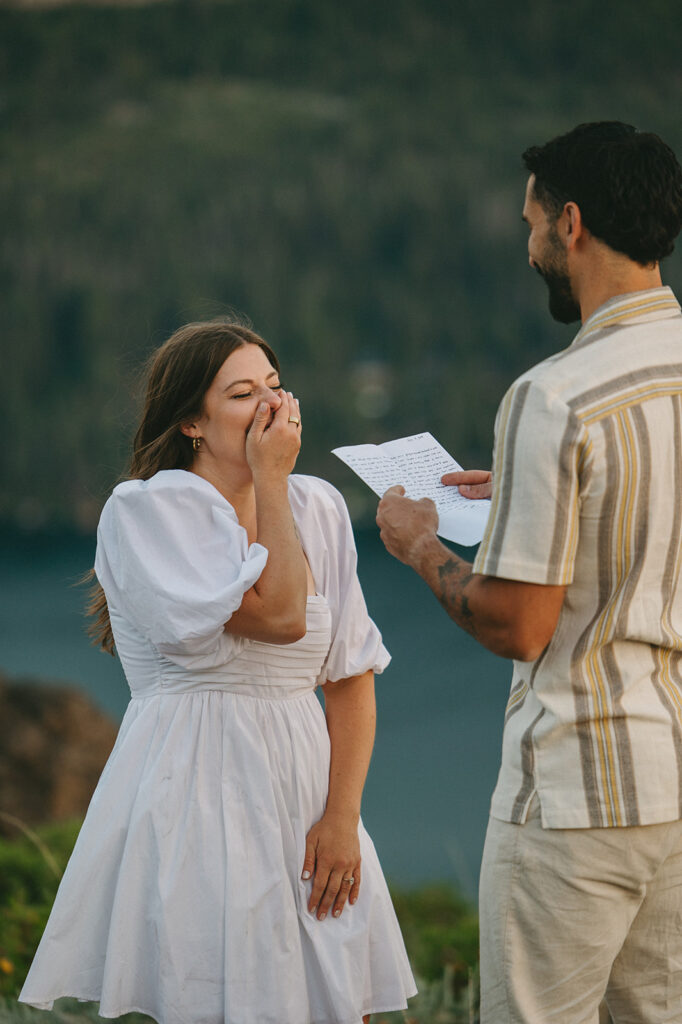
x: 573, y: 225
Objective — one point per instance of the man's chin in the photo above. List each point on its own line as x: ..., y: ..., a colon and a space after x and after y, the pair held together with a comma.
x: 564, y: 312
x: 562, y: 305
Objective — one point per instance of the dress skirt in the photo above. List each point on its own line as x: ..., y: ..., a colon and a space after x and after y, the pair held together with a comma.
x: 183, y: 897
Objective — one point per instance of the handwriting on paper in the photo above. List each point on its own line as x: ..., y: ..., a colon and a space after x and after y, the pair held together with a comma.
x: 418, y: 462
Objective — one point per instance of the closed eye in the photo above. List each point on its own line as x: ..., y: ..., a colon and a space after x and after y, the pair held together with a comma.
x: 249, y: 394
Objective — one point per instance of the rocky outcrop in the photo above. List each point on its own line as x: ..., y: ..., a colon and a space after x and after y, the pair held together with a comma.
x: 53, y: 745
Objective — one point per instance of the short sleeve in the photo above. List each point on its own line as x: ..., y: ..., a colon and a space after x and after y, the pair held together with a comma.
x: 174, y: 561
x: 356, y: 644
x: 540, y: 451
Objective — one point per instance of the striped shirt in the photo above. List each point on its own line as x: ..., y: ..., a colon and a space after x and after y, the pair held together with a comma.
x: 588, y: 493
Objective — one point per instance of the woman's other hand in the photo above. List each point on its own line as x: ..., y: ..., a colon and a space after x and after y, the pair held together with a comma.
x: 274, y: 439
x: 472, y: 483
x: 332, y: 860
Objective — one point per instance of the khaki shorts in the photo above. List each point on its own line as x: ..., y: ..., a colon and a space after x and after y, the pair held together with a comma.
x: 574, y: 917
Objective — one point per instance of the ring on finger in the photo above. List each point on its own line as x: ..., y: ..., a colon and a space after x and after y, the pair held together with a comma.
x: 294, y: 419
x: 350, y: 880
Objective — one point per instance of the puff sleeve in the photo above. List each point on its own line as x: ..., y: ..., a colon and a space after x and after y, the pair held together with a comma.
x: 173, y: 560
x: 327, y: 535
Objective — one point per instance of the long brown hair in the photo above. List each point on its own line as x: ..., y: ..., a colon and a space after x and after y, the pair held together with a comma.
x: 178, y: 375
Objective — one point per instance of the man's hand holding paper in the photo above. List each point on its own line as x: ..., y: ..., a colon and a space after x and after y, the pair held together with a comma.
x: 472, y: 483
x: 404, y: 523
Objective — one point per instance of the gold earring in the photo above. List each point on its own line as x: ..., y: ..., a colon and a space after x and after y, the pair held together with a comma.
x: 196, y: 443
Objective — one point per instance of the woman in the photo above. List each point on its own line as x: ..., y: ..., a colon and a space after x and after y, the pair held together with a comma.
x: 223, y: 875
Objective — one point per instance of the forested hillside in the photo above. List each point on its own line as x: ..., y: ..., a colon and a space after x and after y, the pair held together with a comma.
x: 346, y: 173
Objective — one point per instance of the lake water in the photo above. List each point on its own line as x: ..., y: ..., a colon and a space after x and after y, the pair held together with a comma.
x: 440, y: 702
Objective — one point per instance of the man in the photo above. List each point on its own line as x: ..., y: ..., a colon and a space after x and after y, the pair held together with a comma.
x: 579, y: 580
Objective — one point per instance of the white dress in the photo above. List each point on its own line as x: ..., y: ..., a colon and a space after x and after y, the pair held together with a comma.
x: 183, y: 897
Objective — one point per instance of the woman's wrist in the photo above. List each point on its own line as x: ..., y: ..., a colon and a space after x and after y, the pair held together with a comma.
x: 270, y: 479
x: 348, y: 816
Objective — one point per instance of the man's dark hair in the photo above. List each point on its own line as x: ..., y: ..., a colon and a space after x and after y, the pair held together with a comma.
x: 627, y: 184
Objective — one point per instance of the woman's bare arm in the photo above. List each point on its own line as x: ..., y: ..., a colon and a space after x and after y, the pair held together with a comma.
x: 332, y: 845
x: 274, y: 609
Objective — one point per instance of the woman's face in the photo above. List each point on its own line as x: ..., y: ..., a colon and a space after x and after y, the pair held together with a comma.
x: 245, y: 379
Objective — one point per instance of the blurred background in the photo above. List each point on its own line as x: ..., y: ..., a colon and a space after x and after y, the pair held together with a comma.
x: 348, y: 175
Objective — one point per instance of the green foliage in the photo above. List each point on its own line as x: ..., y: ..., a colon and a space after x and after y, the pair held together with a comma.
x: 28, y: 884
x: 348, y: 175
x: 441, y: 936
x: 440, y: 931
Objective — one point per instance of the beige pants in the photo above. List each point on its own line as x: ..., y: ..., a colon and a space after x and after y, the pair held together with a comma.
x: 570, y: 917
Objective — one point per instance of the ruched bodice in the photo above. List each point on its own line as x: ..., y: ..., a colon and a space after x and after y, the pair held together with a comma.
x: 251, y: 667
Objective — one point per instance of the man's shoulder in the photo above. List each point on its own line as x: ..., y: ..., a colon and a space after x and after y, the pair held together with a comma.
x: 548, y: 378
x: 621, y: 358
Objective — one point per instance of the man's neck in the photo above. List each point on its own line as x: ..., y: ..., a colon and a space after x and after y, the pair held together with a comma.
x: 607, y: 278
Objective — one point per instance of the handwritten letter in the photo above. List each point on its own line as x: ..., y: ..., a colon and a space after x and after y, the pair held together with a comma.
x: 418, y: 462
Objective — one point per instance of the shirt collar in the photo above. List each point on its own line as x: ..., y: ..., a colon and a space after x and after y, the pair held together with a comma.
x: 633, y: 307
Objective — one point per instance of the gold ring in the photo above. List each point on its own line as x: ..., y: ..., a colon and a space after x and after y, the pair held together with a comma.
x: 294, y: 419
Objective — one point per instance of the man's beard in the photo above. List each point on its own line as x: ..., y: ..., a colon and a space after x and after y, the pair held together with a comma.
x: 562, y: 304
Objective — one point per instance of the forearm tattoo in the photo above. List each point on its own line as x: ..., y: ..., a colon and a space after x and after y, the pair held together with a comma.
x: 454, y: 578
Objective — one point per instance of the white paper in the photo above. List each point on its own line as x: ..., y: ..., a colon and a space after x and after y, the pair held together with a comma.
x: 418, y: 462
